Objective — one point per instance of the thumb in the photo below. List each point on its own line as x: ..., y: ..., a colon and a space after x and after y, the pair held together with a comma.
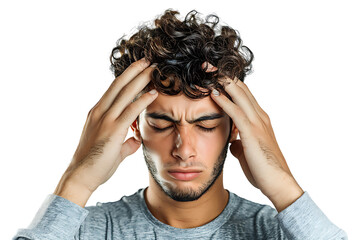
x: 129, y: 147
x: 237, y: 150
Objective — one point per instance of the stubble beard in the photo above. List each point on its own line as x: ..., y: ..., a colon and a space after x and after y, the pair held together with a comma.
x: 187, y: 194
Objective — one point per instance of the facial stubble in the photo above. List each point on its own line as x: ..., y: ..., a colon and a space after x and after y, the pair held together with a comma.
x: 187, y: 194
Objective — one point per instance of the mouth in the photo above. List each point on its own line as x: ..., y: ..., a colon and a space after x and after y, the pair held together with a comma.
x: 184, y: 175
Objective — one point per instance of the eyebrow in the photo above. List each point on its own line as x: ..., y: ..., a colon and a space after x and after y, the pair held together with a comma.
x: 165, y: 117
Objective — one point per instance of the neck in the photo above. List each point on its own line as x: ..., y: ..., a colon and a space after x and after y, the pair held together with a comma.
x: 186, y: 214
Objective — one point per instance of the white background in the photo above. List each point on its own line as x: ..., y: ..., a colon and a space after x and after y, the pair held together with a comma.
x: 54, y: 60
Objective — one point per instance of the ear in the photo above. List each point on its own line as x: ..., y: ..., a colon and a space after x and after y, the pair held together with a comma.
x: 135, y: 127
x: 234, y: 133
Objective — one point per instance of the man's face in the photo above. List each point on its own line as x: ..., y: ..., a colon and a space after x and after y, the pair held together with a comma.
x: 184, y: 144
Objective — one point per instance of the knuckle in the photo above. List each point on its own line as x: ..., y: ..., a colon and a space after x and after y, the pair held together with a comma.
x: 108, y: 118
x: 130, y: 109
x: 90, y: 113
x: 247, y: 122
x: 255, y: 122
x: 123, y: 118
x: 265, y: 117
x: 94, y: 113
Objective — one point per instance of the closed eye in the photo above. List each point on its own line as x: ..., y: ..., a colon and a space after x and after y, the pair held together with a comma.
x: 202, y: 128
x: 160, y: 129
x: 207, y: 129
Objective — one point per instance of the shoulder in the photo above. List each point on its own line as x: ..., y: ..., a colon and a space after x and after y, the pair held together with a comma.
x: 112, y: 219
x: 127, y: 207
x: 254, y: 218
x: 247, y: 209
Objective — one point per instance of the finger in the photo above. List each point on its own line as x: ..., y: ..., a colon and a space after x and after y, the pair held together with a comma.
x: 128, y: 116
x: 240, y: 98
x: 255, y: 104
x: 129, y: 74
x: 238, y: 116
x: 129, y: 92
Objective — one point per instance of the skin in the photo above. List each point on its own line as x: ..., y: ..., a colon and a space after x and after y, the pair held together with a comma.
x: 198, y: 149
x: 103, y: 147
x: 257, y: 152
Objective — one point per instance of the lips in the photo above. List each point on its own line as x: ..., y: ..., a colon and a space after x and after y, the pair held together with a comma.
x: 184, y: 174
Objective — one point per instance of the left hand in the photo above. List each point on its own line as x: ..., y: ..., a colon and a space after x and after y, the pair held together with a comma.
x: 257, y: 150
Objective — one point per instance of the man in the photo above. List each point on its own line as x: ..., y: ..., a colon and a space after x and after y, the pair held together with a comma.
x: 184, y: 110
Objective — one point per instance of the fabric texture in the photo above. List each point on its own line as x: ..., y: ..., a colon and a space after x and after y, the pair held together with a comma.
x: 129, y: 218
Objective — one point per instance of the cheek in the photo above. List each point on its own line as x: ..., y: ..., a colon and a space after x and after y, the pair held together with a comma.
x: 159, y: 142
x: 212, y: 145
x: 209, y: 145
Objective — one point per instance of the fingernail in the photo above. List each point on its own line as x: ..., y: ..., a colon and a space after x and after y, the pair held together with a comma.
x: 152, y: 91
x: 153, y: 65
x: 215, y: 92
x: 144, y: 60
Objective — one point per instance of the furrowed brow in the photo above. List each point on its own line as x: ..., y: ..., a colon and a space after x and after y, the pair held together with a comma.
x: 165, y: 117
x: 162, y: 116
x: 210, y: 116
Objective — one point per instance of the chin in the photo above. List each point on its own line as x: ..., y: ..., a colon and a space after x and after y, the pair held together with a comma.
x: 186, y: 191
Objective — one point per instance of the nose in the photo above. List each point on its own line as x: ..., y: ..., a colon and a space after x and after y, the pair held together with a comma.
x: 183, y: 146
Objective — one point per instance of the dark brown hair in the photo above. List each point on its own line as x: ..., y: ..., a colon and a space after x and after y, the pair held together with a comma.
x: 180, y: 48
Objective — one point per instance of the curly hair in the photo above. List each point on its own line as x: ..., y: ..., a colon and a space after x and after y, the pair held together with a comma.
x: 180, y: 48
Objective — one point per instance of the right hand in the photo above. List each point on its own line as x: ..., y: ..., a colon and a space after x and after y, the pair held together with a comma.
x: 102, y: 148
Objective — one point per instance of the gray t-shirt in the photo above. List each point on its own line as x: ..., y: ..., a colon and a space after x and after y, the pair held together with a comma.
x: 129, y: 218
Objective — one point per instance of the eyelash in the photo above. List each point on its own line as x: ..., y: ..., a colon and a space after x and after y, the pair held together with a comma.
x: 202, y: 128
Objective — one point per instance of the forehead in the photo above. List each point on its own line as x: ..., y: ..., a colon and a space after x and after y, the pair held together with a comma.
x: 181, y: 104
